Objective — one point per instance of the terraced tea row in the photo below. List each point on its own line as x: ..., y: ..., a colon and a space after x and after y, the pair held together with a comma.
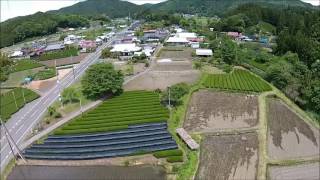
x: 130, y: 108
x: 136, y: 139
x: 239, y: 80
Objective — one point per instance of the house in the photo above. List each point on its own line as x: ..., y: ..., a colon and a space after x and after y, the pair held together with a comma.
x: 87, y: 45
x: 195, y: 45
x: 204, y: 52
x: 177, y: 41
x: 71, y: 39
x: 16, y: 54
x: 186, y: 35
x: 54, y: 47
x: 234, y: 35
x: 99, y: 41
x: 125, y: 49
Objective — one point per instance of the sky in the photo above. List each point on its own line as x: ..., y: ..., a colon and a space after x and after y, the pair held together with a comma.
x: 14, y: 8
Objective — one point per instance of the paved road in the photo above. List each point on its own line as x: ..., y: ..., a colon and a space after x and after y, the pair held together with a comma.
x: 21, y: 123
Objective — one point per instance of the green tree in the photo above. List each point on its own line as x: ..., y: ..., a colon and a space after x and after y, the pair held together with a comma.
x: 177, y: 91
x: 106, y: 53
x: 101, y: 79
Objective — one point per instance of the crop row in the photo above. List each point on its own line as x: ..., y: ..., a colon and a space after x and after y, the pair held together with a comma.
x: 238, y: 80
x: 130, y: 108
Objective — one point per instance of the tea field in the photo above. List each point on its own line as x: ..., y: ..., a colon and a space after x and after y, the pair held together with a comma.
x: 130, y: 108
x: 239, y: 80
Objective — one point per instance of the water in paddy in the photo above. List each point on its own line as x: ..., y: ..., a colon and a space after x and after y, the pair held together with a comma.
x: 24, y: 172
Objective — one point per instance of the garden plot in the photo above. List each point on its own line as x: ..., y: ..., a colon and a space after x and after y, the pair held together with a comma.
x: 228, y: 157
x: 65, y: 61
x: 303, y: 171
x: 213, y: 111
x: 176, y: 54
x: 289, y: 136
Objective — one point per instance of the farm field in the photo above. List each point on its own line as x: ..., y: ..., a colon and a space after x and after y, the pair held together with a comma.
x: 238, y: 80
x: 173, y: 66
x: 58, y: 54
x: 16, y: 78
x: 213, y: 111
x: 65, y: 61
x: 295, y: 172
x: 289, y: 136
x: 10, y: 106
x: 163, y: 75
x: 22, y: 65
x: 176, y: 53
x: 228, y: 157
x: 136, y: 107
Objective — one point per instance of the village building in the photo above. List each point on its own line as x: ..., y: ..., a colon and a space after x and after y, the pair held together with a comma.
x: 125, y: 49
x: 54, y: 47
x: 204, y: 52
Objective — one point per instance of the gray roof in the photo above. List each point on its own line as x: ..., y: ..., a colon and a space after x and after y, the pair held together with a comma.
x: 53, y: 47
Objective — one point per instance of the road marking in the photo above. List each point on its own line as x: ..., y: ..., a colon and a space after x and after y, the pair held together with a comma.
x: 19, y: 129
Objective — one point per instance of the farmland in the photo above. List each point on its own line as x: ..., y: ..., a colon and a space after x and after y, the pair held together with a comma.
x: 228, y: 157
x: 22, y: 65
x: 238, y: 80
x: 59, y: 54
x: 289, y: 136
x: 214, y: 111
x: 304, y: 171
x: 176, y: 53
x: 15, y: 99
x: 131, y: 108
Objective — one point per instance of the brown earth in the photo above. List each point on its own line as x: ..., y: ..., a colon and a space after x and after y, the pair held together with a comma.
x: 213, y: 111
x: 184, y: 54
x: 65, y: 61
x: 228, y: 157
x: 161, y: 80
x: 173, y: 66
x: 288, y: 135
x: 298, y: 172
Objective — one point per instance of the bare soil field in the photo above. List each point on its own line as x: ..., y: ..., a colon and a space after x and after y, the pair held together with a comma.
x: 228, y: 157
x: 298, y: 172
x: 173, y: 66
x: 161, y: 80
x: 288, y: 135
x: 213, y: 111
x: 176, y: 54
x: 64, y: 61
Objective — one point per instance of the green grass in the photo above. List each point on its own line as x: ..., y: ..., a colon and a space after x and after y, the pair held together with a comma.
x: 45, y: 74
x: 25, y: 64
x: 14, y: 100
x: 238, y: 80
x: 168, y: 153
x: 58, y: 54
x: 130, y: 108
x: 16, y: 78
x: 92, y: 34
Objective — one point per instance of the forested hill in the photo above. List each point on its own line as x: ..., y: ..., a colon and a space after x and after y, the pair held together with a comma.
x: 111, y: 8
x: 218, y: 7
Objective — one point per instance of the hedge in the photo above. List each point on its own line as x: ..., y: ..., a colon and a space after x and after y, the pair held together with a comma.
x: 168, y: 153
x: 88, y: 131
x: 172, y: 159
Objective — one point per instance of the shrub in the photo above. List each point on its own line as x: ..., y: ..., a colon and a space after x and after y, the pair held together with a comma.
x: 168, y: 153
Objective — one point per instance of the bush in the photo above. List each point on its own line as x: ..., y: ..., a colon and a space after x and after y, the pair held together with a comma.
x: 168, y: 153
x: 173, y: 159
x: 106, y: 53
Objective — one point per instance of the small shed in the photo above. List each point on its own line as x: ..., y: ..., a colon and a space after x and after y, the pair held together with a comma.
x: 187, y: 139
x: 204, y: 52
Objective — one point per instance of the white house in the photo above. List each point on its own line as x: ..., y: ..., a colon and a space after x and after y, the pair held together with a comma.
x: 204, y: 52
x: 16, y: 54
x: 186, y: 35
x: 125, y: 49
x: 177, y: 41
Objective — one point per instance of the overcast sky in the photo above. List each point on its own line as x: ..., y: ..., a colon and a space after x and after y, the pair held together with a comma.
x: 13, y: 8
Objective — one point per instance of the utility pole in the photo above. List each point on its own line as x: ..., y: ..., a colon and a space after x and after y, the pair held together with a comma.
x: 15, y: 101
x: 11, y: 140
x: 24, y: 99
